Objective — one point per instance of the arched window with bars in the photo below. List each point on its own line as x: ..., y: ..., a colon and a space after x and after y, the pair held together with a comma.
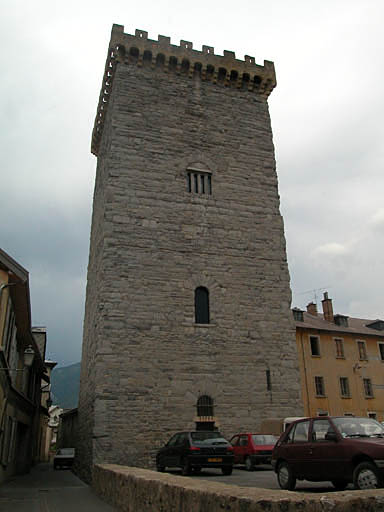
x: 205, y: 406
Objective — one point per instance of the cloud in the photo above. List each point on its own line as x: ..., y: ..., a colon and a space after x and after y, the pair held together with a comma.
x: 377, y: 220
x: 330, y: 250
x: 326, y: 119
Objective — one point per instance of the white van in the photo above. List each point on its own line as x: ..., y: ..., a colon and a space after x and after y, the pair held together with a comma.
x: 277, y: 426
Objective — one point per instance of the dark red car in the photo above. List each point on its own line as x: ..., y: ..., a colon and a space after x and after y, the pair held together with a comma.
x: 252, y: 449
x: 339, y: 449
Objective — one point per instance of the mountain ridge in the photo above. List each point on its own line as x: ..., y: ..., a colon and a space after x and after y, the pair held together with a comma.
x: 65, y: 384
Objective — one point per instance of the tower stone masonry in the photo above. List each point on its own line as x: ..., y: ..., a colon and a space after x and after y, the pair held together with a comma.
x: 187, y: 318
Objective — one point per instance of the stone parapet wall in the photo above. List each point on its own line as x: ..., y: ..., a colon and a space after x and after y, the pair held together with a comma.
x: 182, y: 60
x: 139, y: 490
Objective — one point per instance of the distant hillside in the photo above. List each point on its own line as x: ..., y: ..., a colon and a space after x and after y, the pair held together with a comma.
x: 65, y: 386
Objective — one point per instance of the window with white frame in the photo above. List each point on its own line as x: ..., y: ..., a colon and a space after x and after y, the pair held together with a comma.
x: 319, y: 386
x: 344, y: 387
x: 362, y: 350
x: 339, y: 347
x: 368, y: 390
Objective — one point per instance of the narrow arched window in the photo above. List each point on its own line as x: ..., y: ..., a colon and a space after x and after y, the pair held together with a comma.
x: 201, y: 305
x: 204, y: 406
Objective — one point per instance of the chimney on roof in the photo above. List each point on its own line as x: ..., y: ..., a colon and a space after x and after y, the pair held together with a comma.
x: 327, y: 308
x: 312, y: 308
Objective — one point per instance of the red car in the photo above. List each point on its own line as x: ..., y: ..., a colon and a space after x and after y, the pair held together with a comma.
x: 252, y: 449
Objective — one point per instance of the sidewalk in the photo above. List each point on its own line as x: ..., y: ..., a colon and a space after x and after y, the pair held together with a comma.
x: 46, y: 490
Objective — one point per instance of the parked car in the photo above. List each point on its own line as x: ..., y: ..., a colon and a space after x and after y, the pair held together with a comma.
x: 192, y: 451
x: 337, y: 449
x: 64, y: 458
x: 252, y: 449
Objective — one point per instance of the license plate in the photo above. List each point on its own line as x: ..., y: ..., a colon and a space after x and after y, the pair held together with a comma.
x: 215, y: 459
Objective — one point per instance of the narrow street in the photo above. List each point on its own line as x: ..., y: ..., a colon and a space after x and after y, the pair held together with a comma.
x: 46, y: 490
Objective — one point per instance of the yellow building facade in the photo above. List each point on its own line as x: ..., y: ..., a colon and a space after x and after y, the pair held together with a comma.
x: 341, y: 363
x: 21, y: 373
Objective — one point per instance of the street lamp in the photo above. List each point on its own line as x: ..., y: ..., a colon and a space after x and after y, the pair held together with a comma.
x: 29, y: 355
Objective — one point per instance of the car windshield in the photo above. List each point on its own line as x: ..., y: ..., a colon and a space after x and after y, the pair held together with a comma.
x: 208, y: 437
x: 66, y: 451
x: 359, y: 427
x: 264, y: 439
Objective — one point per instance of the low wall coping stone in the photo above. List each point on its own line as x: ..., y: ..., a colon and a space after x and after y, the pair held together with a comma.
x: 131, y: 489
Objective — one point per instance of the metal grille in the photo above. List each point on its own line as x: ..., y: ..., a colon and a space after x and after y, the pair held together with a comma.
x: 205, y: 406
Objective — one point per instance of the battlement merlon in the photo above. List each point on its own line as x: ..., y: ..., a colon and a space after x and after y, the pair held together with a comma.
x: 185, y: 50
x: 221, y: 69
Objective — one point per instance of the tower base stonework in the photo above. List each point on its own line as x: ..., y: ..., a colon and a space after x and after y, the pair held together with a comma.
x: 187, y: 319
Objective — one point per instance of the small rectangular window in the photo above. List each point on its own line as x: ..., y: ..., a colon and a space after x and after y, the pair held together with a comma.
x: 368, y: 391
x: 381, y: 350
x: 199, y: 182
x: 339, y: 346
x: 268, y: 376
x: 315, y: 345
x: 319, y: 386
x: 344, y: 387
x: 362, y: 350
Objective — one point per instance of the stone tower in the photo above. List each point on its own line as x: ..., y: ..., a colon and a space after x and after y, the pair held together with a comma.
x: 187, y: 320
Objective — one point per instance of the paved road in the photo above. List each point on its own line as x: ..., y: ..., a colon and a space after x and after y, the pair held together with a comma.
x: 46, y: 490
x: 263, y: 477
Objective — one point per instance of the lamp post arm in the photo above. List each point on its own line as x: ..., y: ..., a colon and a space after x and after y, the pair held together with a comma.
x: 13, y: 369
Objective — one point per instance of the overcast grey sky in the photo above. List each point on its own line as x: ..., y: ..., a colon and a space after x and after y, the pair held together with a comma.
x: 326, y: 114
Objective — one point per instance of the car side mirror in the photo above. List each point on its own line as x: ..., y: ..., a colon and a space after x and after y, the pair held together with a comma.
x: 331, y: 436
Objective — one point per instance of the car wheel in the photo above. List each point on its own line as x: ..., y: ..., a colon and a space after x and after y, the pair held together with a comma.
x: 160, y: 466
x: 248, y: 464
x: 285, y: 476
x: 339, y: 485
x: 227, y: 470
x: 367, y: 476
x: 185, y: 468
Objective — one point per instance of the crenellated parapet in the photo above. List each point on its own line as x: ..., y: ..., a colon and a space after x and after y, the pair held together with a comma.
x: 223, y: 70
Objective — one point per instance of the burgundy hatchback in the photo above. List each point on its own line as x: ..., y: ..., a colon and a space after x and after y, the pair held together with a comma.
x: 337, y: 449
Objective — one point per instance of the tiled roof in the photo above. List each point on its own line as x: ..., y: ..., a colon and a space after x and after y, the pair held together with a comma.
x: 355, y: 325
